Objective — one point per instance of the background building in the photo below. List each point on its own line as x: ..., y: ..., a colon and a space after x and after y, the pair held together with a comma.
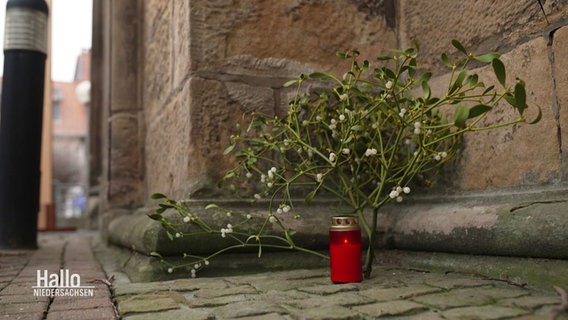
x: 69, y: 145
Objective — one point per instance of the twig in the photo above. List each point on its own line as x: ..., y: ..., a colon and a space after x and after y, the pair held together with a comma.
x: 563, y: 307
x: 418, y: 270
x: 543, y: 12
x: 484, y: 277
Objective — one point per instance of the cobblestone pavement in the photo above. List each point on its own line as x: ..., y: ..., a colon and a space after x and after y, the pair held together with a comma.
x: 392, y: 293
x: 19, y: 273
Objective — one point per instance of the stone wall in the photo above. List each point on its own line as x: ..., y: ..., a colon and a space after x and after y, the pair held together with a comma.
x: 177, y: 76
x: 117, y: 110
x: 206, y: 62
x: 529, y: 40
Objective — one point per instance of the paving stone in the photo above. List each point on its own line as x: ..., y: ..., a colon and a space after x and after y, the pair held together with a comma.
x: 536, y: 317
x: 329, y: 289
x: 279, y: 296
x: 468, y: 297
x: 452, y: 283
x: 247, y: 309
x: 396, y: 277
x: 391, y: 308
x: 22, y: 298
x: 543, y: 313
x: 71, y: 303
x: 422, y: 315
x: 140, y: 288
x: 248, y: 279
x: 30, y: 280
x: 196, y: 284
x: 268, y: 316
x: 281, y: 285
x: 322, y: 275
x: 181, y: 314
x: 101, y: 290
x: 10, y: 271
x: 148, y: 303
x: 215, y: 302
x: 503, y: 292
x: 17, y: 289
x: 24, y: 316
x: 17, y: 308
x: 483, y: 313
x: 215, y: 293
x: 5, y: 274
x: 82, y: 314
x: 303, y: 274
x: 327, y: 313
x: 531, y: 302
x: 388, y: 294
x: 345, y: 299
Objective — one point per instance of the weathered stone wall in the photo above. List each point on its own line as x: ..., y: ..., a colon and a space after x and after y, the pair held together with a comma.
x: 181, y: 73
x: 205, y: 62
x: 116, y: 107
x: 531, y: 43
x: 176, y: 75
x: 483, y: 25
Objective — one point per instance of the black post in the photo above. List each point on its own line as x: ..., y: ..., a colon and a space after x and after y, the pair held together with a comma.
x: 21, y: 113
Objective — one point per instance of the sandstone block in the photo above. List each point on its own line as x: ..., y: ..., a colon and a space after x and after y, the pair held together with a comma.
x: 314, y: 31
x: 186, y: 142
x: 124, y: 57
x: 480, y: 25
x: 125, y: 167
x: 181, y: 42
x: 157, y: 62
x: 531, y: 229
x: 560, y: 56
x: 515, y: 155
x: 167, y: 149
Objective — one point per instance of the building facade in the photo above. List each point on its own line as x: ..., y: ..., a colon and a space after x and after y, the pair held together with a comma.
x: 69, y: 123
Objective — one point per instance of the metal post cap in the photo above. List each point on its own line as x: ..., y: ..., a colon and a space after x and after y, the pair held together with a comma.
x: 26, y: 25
x: 345, y: 223
x: 38, y: 5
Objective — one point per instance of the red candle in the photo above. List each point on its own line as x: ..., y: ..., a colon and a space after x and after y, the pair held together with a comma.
x: 345, y: 249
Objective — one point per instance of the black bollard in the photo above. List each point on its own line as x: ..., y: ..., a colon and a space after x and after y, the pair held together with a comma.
x: 21, y: 113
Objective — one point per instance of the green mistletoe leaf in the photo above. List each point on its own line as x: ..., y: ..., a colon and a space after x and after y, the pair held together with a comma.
x: 488, y: 57
x: 156, y: 196
x: 461, y: 116
x: 459, y: 46
x: 520, y: 97
x: 499, y: 69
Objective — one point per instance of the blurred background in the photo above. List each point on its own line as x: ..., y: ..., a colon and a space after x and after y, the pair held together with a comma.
x: 66, y: 111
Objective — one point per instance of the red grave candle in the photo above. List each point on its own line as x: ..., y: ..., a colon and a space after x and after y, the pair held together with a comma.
x: 345, y: 249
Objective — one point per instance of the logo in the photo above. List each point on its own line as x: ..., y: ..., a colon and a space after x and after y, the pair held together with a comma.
x: 62, y: 284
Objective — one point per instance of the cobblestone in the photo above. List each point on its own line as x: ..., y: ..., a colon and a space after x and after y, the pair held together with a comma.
x: 70, y: 251
x: 148, y: 303
x: 392, y: 293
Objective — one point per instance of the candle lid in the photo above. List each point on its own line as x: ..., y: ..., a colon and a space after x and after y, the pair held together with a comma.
x: 344, y: 223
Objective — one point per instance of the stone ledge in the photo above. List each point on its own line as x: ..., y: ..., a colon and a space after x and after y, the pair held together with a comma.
x: 142, y: 268
x: 536, y: 273
x: 531, y: 223
x: 513, y: 223
x: 140, y: 233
